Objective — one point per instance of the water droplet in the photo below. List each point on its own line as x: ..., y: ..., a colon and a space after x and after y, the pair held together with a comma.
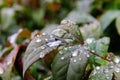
x: 44, y: 34
x: 59, y: 32
x: 61, y: 52
x: 9, y: 62
x: 63, y: 22
x: 80, y: 59
x: 97, y: 68
x: 42, y: 55
x: 93, y: 51
x: 38, y: 40
x: 89, y: 40
x: 42, y: 47
x: 106, y: 70
x: 37, y: 36
x: 70, y: 47
x: 94, y: 73
x: 75, y: 53
x: 1, y: 70
x: 46, y: 40
x: 62, y: 58
x: 53, y: 44
x: 116, y: 60
x: 87, y: 55
x: 74, y: 60
x: 65, y: 49
x: 117, y: 69
x: 111, y: 66
x: 86, y: 47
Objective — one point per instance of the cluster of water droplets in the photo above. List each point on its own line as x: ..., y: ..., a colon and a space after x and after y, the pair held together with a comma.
x: 116, y: 61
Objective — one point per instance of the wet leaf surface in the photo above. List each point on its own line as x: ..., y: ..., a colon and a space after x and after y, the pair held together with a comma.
x: 72, y: 62
x: 101, y: 73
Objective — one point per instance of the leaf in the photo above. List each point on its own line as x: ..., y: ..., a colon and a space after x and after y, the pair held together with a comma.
x: 108, y: 17
x: 117, y: 75
x: 28, y: 76
x: 71, y: 28
x: 7, y: 18
x: 7, y: 62
x: 101, y: 73
x: 116, y: 68
x: 92, y: 30
x: 84, y: 5
x: 79, y: 17
x: 40, y: 48
x: 70, y: 63
x: 99, y: 47
x: 24, y: 33
x: 118, y: 24
x: 5, y: 51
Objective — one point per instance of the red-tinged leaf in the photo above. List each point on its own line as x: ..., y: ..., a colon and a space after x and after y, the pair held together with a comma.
x: 22, y: 33
x: 28, y: 76
x: 7, y: 62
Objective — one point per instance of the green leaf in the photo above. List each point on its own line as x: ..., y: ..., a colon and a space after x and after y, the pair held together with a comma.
x: 118, y: 24
x: 7, y: 18
x: 80, y: 17
x: 101, y: 73
x: 99, y: 47
x: 73, y: 29
x: 102, y: 46
x: 70, y: 63
x: 92, y: 30
x: 108, y: 17
x: 39, y: 48
x: 84, y: 5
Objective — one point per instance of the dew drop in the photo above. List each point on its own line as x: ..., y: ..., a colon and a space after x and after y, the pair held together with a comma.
x: 42, y: 55
x: 116, y: 60
x: 89, y: 40
x: 117, y: 69
x: 38, y: 40
x: 94, y: 73
x: 65, y: 49
x: 37, y: 36
x: 62, y: 58
x: 97, y: 68
x: 75, y: 53
x: 61, y: 52
x: 80, y: 59
x: 106, y: 70
x: 44, y: 34
x: 53, y: 44
x: 93, y: 51
x: 1, y: 70
x: 9, y: 62
x: 46, y: 40
x: 86, y: 47
x: 87, y: 55
x: 42, y: 47
x: 74, y: 60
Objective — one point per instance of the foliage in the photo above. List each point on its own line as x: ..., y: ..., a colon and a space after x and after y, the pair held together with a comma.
x: 84, y: 46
